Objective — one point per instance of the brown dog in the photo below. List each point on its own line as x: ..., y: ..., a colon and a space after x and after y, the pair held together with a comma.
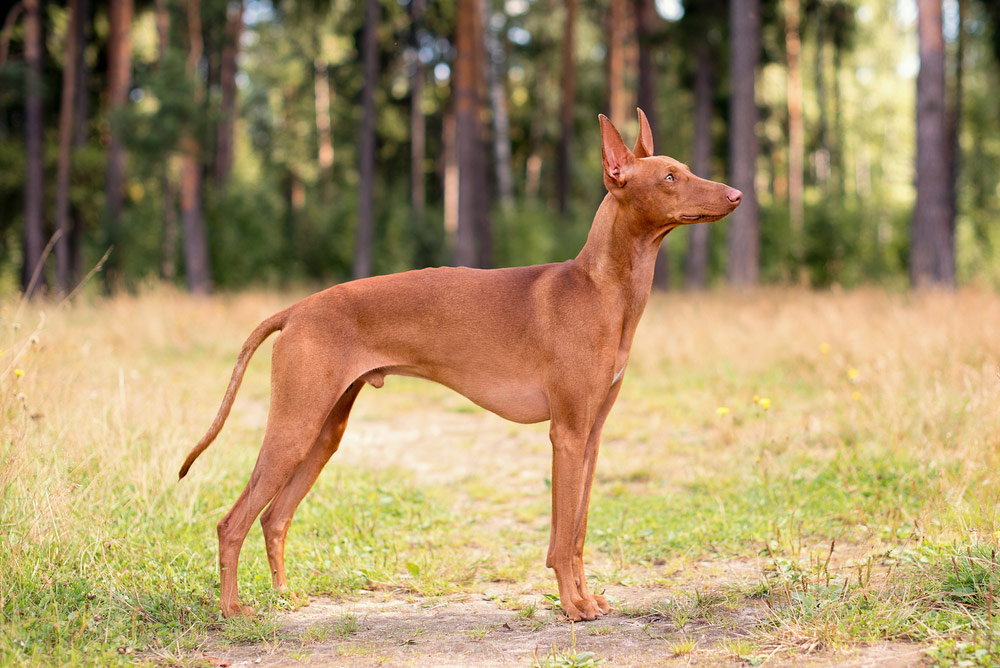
x: 546, y: 342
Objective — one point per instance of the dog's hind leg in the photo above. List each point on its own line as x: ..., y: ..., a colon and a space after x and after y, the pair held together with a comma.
x: 278, y: 516
x: 304, y: 386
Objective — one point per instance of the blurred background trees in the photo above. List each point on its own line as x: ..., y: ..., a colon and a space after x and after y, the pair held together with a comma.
x: 225, y: 143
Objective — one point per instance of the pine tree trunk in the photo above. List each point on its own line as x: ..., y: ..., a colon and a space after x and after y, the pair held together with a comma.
x: 196, y: 258
x: 73, y: 56
x: 80, y: 110
x: 617, y: 34
x: 119, y: 79
x: 227, y: 80
x: 796, y: 133
x: 496, y: 76
x: 696, y: 261
x: 324, y: 137
x: 366, y: 145
x: 168, y: 255
x: 472, y: 246
x: 932, y: 259
x: 418, y: 138
x: 568, y: 103
x: 744, y: 242
x: 34, y: 230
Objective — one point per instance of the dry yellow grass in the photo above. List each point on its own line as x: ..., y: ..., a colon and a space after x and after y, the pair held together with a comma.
x: 100, y: 403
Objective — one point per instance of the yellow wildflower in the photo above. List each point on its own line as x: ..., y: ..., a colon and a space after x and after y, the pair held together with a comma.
x: 765, y: 403
x: 18, y: 372
x: 721, y: 410
x: 856, y: 395
x: 853, y: 373
x: 824, y: 348
x: 756, y: 399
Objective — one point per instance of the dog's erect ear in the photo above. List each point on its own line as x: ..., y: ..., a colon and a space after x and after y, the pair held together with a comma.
x: 618, y: 160
x: 644, y: 142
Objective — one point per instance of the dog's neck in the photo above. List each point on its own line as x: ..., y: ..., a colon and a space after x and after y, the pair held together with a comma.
x: 620, y: 255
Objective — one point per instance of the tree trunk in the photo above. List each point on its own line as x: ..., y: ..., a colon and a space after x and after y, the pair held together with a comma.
x: 80, y: 110
x: 324, y: 137
x: 473, y: 244
x: 168, y: 257
x: 696, y: 261
x: 366, y: 145
x: 644, y: 16
x: 796, y: 135
x: 72, y: 58
x: 744, y: 242
x: 196, y: 259
x: 418, y: 138
x: 34, y: 230
x: 449, y: 179
x: 496, y: 76
x: 932, y: 258
x: 617, y: 34
x: 119, y: 79
x: 227, y: 76
x: 955, y: 119
x: 566, y: 107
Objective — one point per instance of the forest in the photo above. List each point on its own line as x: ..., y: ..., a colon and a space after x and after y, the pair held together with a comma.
x: 218, y: 144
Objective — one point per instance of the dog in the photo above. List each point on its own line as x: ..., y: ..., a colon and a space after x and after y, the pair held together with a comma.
x: 543, y: 342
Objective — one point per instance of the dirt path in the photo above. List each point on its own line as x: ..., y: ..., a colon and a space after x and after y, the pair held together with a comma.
x: 512, y: 624
x: 477, y: 632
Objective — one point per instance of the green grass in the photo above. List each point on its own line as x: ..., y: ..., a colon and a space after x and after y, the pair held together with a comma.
x: 106, y: 559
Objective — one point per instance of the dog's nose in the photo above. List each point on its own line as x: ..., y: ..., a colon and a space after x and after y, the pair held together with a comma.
x: 734, y: 195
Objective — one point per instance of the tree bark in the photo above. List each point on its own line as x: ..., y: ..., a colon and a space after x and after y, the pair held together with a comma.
x: 796, y: 134
x: 227, y: 107
x: 617, y: 34
x: 119, y: 79
x: 496, y: 76
x: 324, y: 137
x: 932, y: 255
x: 744, y: 242
x: 72, y: 58
x: 566, y: 107
x: 34, y: 230
x: 696, y: 261
x: 366, y: 146
x: 196, y: 259
x: 418, y: 136
x: 168, y: 268
x: 473, y: 245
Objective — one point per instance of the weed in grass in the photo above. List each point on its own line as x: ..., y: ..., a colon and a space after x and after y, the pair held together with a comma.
x: 245, y: 630
x: 480, y: 631
x: 346, y: 625
x: 568, y: 658
x: 528, y: 611
x: 683, y: 645
x: 600, y: 630
x: 744, y: 650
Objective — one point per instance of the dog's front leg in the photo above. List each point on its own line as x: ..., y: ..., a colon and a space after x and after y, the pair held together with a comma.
x: 580, y: 524
x: 569, y: 443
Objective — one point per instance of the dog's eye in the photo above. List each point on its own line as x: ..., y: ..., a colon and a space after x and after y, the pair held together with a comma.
x: 669, y: 177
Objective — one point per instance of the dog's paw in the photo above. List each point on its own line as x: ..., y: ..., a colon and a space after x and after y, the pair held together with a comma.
x: 602, y: 604
x: 237, y: 610
x: 582, y: 610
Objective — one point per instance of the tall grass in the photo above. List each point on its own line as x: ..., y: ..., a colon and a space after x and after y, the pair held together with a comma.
x: 881, y: 432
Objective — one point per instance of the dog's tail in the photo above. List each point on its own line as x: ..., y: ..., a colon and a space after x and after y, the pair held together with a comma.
x: 264, y: 330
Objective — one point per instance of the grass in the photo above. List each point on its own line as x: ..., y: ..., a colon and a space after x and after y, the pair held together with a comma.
x: 861, y: 505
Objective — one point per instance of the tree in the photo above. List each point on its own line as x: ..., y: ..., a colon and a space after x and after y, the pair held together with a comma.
x: 366, y: 144
x: 696, y: 260
x: 473, y: 245
x: 932, y: 242
x: 72, y: 60
x: 227, y: 81
x: 796, y: 132
x: 744, y: 232
x: 196, y: 261
x: 567, y: 104
x: 119, y: 80
x: 34, y: 230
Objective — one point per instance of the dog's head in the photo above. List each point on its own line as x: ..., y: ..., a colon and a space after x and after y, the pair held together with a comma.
x: 661, y: 190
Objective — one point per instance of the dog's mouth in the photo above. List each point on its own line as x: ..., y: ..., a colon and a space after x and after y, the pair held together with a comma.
x: 703, y: 218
